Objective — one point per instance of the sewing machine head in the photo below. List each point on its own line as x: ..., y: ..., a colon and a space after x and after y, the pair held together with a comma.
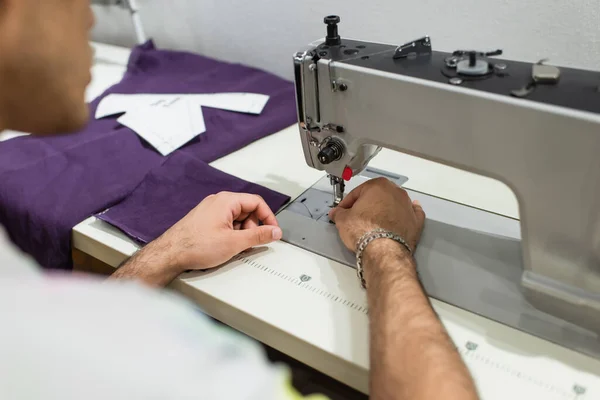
x: 534, y: 127
x: 326, y: 93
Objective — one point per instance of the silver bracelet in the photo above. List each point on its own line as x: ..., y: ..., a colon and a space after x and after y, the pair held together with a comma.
x: 365, y: 240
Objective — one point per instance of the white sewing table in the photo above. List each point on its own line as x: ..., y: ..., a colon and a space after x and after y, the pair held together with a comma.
x: 261, y: 293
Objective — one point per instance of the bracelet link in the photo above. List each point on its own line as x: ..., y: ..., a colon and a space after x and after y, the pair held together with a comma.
x: 365, y: 240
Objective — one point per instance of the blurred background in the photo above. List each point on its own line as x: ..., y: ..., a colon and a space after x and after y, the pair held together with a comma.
x: 265, y: 33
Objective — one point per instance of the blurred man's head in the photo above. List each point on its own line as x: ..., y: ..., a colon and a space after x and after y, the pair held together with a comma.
x: 45, y: 62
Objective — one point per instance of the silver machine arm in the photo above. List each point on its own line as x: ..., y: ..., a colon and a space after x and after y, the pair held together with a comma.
x: 532, y: 126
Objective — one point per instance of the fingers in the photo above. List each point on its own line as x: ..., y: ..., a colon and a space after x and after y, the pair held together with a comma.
x: 348, y: 201
x: 355, y: 194
x: 333, y: 212
x: 243, y: 203
x: 419, y: 212
x: 242, y: 217
x: 344, y: 226
x: 420, y: 216
x: 251, y: 222
x: 258, y: 236
x: 337, y: 215
x: 351, y: 197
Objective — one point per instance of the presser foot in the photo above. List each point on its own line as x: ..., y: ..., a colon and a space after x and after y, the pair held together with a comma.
x: 338, y: 189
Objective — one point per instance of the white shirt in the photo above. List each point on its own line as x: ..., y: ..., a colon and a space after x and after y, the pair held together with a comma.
x: 68, y: 338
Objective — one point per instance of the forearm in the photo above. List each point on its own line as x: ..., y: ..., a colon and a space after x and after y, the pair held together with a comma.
x: 152, y: 265
x: 412, y: 356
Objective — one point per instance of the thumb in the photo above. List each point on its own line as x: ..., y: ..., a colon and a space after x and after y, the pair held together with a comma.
x: 332, y: 213
x: 418, y: 209
x: 338, y: 214
x: 257, y: 236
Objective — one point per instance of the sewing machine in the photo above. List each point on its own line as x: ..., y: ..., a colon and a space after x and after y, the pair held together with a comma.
x: 534, y: 127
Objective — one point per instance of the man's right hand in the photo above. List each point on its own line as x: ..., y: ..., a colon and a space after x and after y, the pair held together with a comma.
x: 378, y: 203
x: 412, y: 356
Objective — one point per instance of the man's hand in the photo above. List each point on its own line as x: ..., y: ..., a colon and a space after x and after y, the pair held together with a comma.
x: 412, y: 356
x: 378, y: 203
x: 220, y: 227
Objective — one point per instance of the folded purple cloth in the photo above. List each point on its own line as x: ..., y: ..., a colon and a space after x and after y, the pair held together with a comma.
x: 48, y: 185
x: 161, y: 71
x: 173, y: 189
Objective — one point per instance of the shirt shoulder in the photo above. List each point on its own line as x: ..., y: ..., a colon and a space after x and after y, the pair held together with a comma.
x: 82, y: 338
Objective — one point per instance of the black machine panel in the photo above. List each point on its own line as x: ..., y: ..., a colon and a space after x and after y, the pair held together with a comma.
x: 565, y: 87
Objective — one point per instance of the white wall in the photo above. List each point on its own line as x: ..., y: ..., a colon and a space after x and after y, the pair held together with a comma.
x: 265, y: 33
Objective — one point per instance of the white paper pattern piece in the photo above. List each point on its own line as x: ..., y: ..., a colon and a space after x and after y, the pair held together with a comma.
x: 169, y: 121
x: 120, y: 103
x: 251, y: 103
x: 166, y: 124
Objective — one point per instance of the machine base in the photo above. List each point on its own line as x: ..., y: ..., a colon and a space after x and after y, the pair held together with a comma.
x: 467, y: 257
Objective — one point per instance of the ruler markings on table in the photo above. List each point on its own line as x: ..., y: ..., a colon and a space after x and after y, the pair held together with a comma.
x: 469, y: 352
x: 303, y: 285
x: 471, y: 356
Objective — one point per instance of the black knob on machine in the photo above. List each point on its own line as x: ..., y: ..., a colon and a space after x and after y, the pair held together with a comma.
x: 332, y: 38
x: 332, y: 151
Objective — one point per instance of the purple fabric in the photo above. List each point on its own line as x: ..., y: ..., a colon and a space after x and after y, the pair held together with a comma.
x: 170, y: 191
x: 48, y: 185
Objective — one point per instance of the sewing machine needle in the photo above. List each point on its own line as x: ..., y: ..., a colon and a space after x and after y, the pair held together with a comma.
x: 338, y: 189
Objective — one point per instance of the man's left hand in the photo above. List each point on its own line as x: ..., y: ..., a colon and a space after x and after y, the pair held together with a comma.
x: 219, y: 228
